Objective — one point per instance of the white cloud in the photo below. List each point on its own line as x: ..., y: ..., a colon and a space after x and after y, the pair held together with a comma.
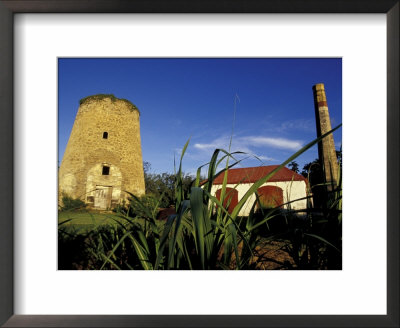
x: 207, y: 146
x: 221, y: 142
x: 280, y: 143
x: 266, y: 158
x: 250, y: 145
x: 299, y: 124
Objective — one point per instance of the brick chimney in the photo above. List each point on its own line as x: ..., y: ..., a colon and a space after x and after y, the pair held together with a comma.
x: 326, y: 147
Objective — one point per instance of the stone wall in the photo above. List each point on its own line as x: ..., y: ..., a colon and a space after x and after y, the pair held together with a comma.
x: 103, y: 152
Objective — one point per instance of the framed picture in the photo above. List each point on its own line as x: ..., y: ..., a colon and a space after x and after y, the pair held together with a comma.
x: 22, y: 304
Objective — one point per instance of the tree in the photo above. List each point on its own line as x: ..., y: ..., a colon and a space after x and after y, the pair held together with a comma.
x: 313, y: 172
x: 294, y: 166
x: 315, y: 175
x: 339, y: 157
x: 163, y: 184
x: 146, y: 167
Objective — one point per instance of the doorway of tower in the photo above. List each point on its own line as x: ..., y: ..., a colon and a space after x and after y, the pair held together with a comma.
x: 102, y: 197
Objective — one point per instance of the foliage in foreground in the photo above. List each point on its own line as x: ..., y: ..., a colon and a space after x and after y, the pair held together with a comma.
x: 204, y: 235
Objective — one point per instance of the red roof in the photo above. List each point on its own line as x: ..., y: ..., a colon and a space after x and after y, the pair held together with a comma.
x: 253, y: 174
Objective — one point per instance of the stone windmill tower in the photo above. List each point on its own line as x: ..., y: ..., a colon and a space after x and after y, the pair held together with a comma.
x: 103, y: 158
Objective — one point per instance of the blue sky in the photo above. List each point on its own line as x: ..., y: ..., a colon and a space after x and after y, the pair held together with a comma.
x: 194, y: 98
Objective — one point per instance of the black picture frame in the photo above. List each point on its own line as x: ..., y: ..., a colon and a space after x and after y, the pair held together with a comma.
x: 10, y: 7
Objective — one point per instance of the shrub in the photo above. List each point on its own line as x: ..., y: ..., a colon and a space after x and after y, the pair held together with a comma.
x: 70, y: 203
x: 140, y: 207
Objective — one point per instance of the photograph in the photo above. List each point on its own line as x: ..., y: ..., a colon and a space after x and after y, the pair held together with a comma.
x: 199, y: 163
x: 202, y: 141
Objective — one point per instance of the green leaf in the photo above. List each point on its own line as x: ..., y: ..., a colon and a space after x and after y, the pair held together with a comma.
x: 323, y: 240
x: 141, y: 253
x: 197, y: 209
x: 164, y: 240
x: 107, y: 258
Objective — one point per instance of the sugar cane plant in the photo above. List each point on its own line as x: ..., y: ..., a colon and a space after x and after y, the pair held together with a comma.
x: 204, y: 234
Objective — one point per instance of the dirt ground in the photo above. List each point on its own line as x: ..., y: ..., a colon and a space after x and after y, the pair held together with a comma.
x: 272, y: 255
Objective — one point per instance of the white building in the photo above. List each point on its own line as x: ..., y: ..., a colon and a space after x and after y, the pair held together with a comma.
x: 284, y: 186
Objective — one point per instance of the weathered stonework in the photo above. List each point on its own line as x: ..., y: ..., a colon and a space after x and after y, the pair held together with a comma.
x: 103, y: 158
x: 326, y: 148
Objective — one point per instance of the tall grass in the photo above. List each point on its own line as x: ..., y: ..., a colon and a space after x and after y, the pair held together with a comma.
x: 205, y: 235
